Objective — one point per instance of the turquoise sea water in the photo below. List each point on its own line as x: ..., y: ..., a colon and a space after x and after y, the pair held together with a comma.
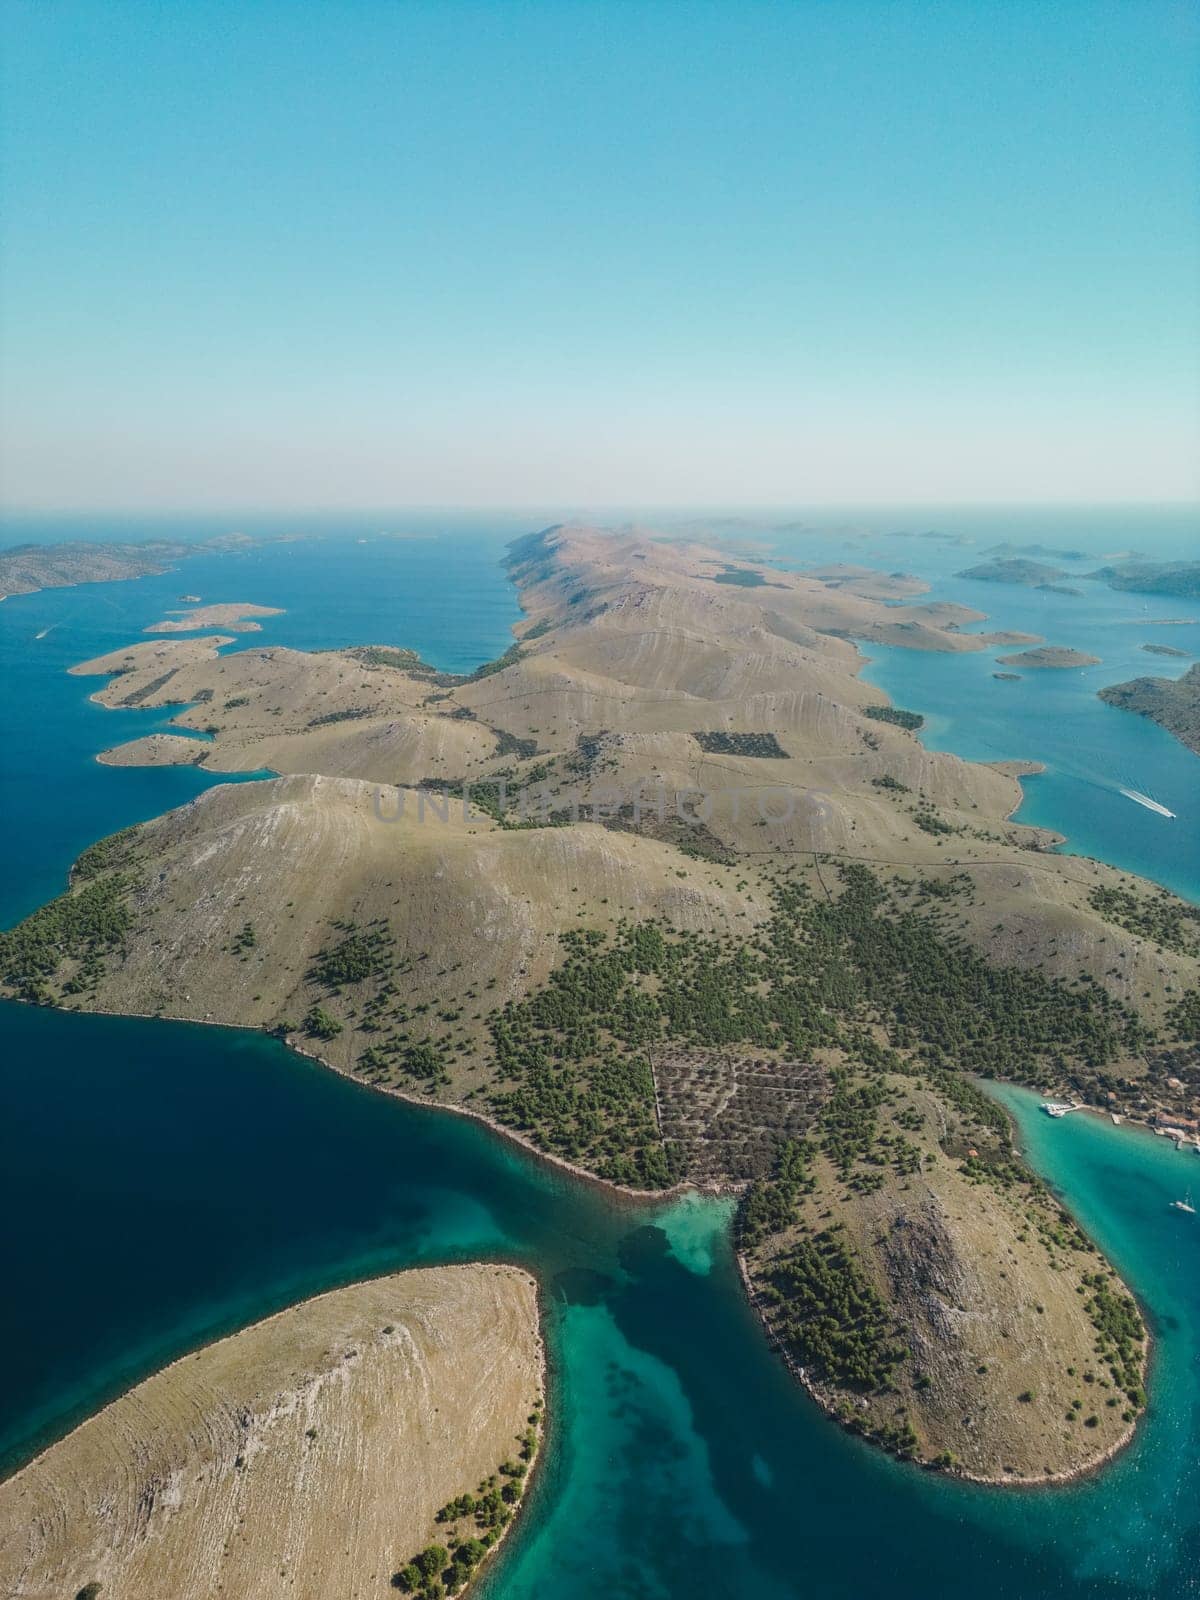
x: 1091, y: 751
x: 162, y: 1183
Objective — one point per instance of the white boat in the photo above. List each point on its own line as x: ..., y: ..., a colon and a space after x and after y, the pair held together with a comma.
x: 1184, y: 1205
x: 1055, y: 1108
x: 1145, y: 800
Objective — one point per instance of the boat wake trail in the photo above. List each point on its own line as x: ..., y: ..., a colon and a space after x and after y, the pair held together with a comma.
x: 1145, y: 800
x: 1097, y: 780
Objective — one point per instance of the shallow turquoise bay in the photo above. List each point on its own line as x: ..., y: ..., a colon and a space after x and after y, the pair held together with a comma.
x: 163, y: 1183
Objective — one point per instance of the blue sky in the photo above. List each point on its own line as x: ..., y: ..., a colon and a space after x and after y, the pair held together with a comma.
x: 360, y: 254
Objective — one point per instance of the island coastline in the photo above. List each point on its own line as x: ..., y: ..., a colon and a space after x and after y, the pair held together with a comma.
x: 475, y: 695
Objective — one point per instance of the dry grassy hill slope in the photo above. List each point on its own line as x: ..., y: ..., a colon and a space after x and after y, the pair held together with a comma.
x: 232, y: 898
x: 308, y: 1454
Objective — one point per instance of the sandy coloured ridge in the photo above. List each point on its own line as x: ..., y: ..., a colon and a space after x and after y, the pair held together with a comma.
x: 236, y: 614
x: 305, y: 1456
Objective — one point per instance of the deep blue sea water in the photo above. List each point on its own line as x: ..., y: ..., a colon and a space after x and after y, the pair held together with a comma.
x: 161, y: 1183
x: 442, y: 594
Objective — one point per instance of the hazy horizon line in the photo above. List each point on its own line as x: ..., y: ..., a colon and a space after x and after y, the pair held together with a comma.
x: 749, y: 507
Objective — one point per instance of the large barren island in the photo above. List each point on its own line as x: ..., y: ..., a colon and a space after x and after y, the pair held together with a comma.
x: 668, y: 894
x: 308, y: 1455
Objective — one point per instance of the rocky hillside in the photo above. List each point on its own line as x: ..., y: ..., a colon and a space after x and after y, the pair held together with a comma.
x: 1174, y: 703
x: 26, y: 568
x: 322, y: 1450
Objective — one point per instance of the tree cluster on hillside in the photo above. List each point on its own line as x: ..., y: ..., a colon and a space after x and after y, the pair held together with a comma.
x: 83, y: 927
x: 1158, y: 915
x: 436, y: 1570
x: 912, y: 720
x: 818, y: 974
x: 830, y: 1319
